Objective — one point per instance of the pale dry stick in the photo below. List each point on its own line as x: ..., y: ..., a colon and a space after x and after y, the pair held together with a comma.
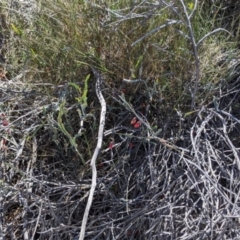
x: 214, y: 184
x: 2, y: 195
x: 169, y: 22
x: 31, y: 163
x: 195, y: 46
x: 195, y: 52
x: 37, y: 222
x: 214, y: 31
x: 97, y: 149
x: 233, y: 148
x: 24, y: 202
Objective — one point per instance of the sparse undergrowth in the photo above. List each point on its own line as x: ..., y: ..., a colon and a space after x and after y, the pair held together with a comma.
x: 169, y: 167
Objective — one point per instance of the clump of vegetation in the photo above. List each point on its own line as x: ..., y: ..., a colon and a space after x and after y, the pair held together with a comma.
x: 169, y: 161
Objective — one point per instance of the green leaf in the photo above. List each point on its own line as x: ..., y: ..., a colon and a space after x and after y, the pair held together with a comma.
x: 17, y: 30
x: 190, y: 5
x: 189, y: 113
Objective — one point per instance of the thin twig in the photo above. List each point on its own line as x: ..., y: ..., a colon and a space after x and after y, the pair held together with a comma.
x: 97, y: 149
x: 195, y: 52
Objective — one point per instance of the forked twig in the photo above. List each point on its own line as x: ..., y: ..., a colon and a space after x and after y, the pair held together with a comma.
x: 195, y: 51
x: 97, y: 149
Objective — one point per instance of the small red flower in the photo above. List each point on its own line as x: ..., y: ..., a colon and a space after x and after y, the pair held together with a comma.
x: 111, y: 145
x: 134, y: 120
x: 137, y: 124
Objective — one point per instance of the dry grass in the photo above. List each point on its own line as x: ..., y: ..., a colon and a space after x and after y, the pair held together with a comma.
x: 176, y: 176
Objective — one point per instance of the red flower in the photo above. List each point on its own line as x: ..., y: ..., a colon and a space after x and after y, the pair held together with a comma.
x: 134, y: 120
x: 111, y: 145
x: 137, y: 124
